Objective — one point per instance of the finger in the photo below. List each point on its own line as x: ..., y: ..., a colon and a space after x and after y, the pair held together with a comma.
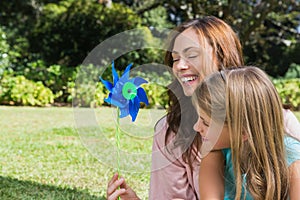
x: 124, y: 184
x: 116, y: 194
x: 112, y: 187
x: 113, y: 179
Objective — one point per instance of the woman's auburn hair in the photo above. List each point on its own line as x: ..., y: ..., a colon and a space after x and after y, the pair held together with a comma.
x: 253, y: 111
x: 227, y: 52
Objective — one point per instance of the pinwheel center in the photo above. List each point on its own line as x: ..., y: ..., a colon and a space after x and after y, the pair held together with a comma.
x: 129, y: 91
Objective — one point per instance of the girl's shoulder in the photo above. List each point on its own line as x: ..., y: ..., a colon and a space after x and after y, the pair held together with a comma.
x: 292, y: 147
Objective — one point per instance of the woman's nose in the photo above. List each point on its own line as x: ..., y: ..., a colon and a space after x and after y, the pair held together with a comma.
x: 182, y: 64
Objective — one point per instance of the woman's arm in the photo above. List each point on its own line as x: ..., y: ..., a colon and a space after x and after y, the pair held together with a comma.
x: 294, y: 170
x: 211, y: 176
x: 291, y: 124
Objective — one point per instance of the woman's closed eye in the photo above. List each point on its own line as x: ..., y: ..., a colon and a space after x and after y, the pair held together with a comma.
x: 191, y: 55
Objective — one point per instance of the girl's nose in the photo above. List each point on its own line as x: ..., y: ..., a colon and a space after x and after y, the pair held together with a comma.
x: 199, y: 127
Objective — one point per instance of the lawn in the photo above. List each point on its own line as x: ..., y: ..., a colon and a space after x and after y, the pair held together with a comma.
x: 44, y: 155
x: 56, y: 153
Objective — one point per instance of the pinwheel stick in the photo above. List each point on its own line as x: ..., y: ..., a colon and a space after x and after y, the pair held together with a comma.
x: 126, y: 94
x: 118, y: 142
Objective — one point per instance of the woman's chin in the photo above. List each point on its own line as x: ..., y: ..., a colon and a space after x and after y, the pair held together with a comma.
x: 188, y: 90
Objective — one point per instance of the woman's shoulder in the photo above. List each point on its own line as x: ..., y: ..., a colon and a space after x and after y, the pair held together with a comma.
x: 291, y: 123
x: 161, y: 123
x: 160, y: 131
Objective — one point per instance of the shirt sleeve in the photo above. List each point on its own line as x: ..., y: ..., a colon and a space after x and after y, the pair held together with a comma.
x: 292, y: 149
x: 291, y: 124
x: 170, y: 176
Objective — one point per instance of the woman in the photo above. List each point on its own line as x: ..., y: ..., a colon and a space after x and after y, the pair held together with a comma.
x: 261, y: 161
x: 197, y: 48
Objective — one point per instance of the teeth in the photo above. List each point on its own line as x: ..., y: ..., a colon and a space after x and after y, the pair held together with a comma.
x: 187, y: 79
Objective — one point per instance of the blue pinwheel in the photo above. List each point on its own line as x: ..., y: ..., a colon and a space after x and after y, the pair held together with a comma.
x: 125, y: 93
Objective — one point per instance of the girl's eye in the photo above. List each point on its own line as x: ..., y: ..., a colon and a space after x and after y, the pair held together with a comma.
x: 205, y: 123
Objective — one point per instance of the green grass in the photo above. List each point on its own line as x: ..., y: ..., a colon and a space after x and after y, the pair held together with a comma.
x: 44, y: 155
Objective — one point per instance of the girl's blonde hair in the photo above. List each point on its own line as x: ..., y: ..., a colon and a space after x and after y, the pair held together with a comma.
x: 252, y: 110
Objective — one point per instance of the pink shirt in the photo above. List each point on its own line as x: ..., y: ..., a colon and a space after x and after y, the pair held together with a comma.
x: 172, y: 178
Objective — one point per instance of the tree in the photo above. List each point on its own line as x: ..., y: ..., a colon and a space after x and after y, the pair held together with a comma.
x: 267, y: 28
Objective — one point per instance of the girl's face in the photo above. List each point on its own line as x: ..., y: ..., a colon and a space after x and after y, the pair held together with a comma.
x: 188, y: 56
x: 210, y: 132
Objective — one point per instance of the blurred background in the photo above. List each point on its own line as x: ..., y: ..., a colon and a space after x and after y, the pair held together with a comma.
x: 44, y: 42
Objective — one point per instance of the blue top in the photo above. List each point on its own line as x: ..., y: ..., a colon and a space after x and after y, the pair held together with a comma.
x: 292, y: 152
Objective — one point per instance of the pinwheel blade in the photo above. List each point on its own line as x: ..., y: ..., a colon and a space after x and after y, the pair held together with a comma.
x: 142, y: 95
x: 125, y: 75
x: 139, y: 81
x: 107, y: 84
x: 134, y: 106
x: 114, y: 73
x: 124, y: 112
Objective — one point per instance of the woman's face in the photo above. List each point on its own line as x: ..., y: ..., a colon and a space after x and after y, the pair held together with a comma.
x: 188, y: 56
x: 217, y: 136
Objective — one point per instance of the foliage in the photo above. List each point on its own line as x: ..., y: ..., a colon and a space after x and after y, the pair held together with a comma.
x: 157, y: 95
x: 7, y: 55
x: 18, y: 18
x: 86, y: 90
x: 289, y: 91
x: 66, y: 32
x: 45, y: 40
x: 21, y: 91
x: 267, y: 29
x: 4, y: 48
x: 56, y: 77
x: 293, y: 72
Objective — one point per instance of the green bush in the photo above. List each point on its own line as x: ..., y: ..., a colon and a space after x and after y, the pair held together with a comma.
x: 4, y: 52
x: 157, y: 95
x: 88, y: 94
x: 56, y: 77
x: 66, y: 32
x: 289, y: 91
x: 21, y: 91
x: 86, y: 90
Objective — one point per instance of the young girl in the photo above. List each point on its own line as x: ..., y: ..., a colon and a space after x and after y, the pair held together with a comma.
x: 241, y: 119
